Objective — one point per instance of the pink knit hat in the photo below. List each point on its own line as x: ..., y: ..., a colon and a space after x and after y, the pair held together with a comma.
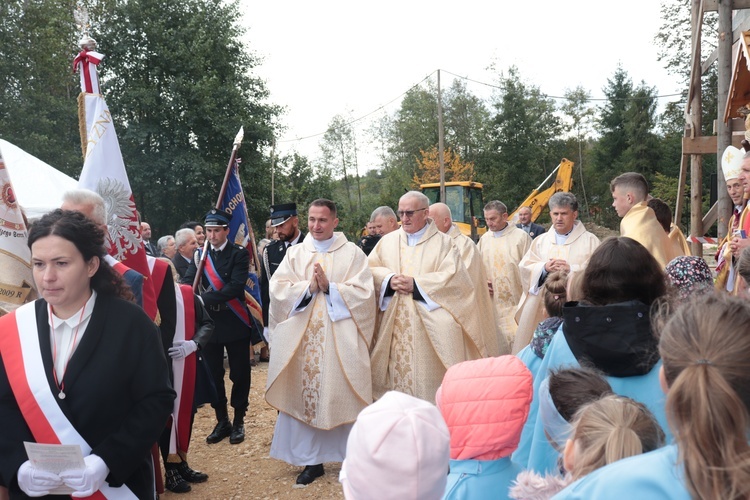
x: 397, y: 449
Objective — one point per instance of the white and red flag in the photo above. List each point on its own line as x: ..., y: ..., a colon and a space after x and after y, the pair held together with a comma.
x: 104, y: 172
x: 16, y: 279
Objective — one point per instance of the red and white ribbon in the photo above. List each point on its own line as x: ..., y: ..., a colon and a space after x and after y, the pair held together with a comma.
x: 703, y: 239
x: 86, y: 62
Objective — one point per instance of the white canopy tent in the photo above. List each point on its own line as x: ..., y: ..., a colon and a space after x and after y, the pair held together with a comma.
x: 39, y: 187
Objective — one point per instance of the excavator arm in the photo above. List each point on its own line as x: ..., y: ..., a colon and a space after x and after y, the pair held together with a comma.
x: 538, y: 200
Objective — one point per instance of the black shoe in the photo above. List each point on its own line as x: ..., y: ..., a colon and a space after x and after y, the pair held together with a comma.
x: 190, y: 475
x: 310, y: 474
x: 238, y: 434
x: 223, y: 429
x: 175, y: 483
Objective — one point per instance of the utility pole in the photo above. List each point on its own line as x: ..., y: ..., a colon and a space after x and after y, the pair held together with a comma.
x: 724, y: 131
x: 273, y: 168
x: 441, y: 157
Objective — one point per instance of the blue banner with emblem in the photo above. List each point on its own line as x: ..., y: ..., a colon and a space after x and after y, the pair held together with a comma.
x: 241, y: 233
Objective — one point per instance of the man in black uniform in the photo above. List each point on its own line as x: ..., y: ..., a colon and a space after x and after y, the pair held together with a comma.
x: 222, y: 291
x: 284, y: 220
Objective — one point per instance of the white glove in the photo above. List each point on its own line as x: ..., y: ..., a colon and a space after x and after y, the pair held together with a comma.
x: 266, y: 334
x: 182, y: 349
x: 89, y: 480
x: 36, y: 482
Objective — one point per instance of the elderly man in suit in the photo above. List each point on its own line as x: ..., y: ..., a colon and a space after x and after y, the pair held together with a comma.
x: 186, y: 243
x: 528, y: 227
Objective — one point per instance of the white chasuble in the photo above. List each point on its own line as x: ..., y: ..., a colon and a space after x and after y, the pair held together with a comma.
x: 415, y: 344
x: 319, y: 373
x: 501, y: 256
x: 576, y: 250
x: 488, y: 322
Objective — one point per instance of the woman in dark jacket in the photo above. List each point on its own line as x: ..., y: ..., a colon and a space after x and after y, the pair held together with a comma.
x: 81, y: 366
x: 608, y: 329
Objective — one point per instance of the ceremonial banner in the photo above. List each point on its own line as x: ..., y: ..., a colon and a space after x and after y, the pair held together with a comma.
x: 241, y: 232
x: 104, y: 172
x: 16, y: 279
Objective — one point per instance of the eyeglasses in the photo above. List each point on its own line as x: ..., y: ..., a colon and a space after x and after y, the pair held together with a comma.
x: 408, y: 213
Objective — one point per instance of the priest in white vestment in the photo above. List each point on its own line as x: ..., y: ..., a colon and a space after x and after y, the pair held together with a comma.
x: 427, y: 305
x: 567, y: 246
x: 322, y: 319
x: 495, y: 342
x: 502, y: 248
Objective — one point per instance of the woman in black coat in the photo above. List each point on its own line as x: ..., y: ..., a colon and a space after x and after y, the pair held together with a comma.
x: 82, y: 365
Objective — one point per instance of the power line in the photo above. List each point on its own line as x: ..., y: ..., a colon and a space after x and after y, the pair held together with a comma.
x: 383, y: 106
x: 565, y: 98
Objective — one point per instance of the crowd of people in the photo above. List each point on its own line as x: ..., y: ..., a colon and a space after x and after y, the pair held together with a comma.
x: 533, y: 364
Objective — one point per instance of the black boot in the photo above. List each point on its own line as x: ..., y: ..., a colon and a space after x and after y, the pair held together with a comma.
x: 175, y: 483
x: 238, y: 428
x: 190, y: 475
x: 222, y: 429
x: 310, y: 474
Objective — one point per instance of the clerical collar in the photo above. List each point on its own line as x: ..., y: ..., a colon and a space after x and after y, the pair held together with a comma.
x: 222, y: 247
x: 498, y: 234
x: 413, y: 238
x: 323, y: 246
x: 560, y: 239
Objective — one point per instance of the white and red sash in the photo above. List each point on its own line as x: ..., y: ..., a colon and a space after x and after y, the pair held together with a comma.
x: 183, y: 371
x: 212, y: 275
x: 22, y: 357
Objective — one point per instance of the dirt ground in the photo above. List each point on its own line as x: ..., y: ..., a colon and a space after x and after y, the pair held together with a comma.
x: 245, y: 471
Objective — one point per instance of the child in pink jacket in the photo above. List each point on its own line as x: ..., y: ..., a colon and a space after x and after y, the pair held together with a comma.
x: 485, y: 404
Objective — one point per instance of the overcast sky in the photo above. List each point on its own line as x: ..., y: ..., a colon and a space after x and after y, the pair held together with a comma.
x: 328, y: 57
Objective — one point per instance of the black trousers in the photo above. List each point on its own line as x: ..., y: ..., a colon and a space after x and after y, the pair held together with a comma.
x: 238, y: 354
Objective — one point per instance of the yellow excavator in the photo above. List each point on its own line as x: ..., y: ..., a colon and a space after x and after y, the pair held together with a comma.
x: 537, y: 200
x: 467, y: 204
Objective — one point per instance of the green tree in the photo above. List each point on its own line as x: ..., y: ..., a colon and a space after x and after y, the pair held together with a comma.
x: 38, y: 110
x: 526, y: 134
x: 579, y: 116
x: 339, y: 147
x: 643, y: 149
x: 178, y: 80
x: 467, y: 121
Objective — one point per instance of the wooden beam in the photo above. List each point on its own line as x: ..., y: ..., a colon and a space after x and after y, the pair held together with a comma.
x: 713, y: 5
x: 711, y: 216
x: 735, y: 125
x: 736, y: 34
x: 706, y: 144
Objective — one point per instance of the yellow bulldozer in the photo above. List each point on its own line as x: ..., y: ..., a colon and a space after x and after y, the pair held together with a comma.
x: 467, y: 204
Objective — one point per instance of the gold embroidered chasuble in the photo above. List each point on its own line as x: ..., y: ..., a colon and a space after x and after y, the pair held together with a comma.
x: 414, y: 347
x: 501, y: 256
x: 576, y: 251
x: 678, y: 243
x: 494, y: 340
x: 320, y: 369
x: 641, y: 225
